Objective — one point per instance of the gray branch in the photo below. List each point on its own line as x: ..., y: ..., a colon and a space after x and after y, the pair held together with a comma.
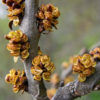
x: 76, y: 89
x: 29, y: 27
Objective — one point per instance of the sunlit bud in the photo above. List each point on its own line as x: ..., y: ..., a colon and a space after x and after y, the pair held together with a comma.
x: 11, y: 46
x: 50, y: 66
x: 76, y: 60
x: 18, y: 79
x: 81, y: 77
x: 45, y: 59
x: 16, y: 21
x: 87, y: 61
x: 37, y: 77
x: 8, y: 78
x: 24, y: 54
x: 47, y: 25
x: 15, y: 53
x: 89, y: 72
x: 95, y: 53
x: 48, y: 15
x: 24, y: 38
x: 40, y: 15
x: 78, y: 68
x: 46, y: 76
x: 55, y: 12
x: 36, y: 60
x: 36, y: 70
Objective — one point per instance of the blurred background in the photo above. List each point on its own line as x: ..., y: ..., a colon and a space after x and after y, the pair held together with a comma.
x: 79, y: 27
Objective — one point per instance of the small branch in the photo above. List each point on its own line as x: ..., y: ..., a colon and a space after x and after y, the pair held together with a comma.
x: 29, y: 27
x: 83, y: 51
x: 66, y: 72
x: 76, y: 89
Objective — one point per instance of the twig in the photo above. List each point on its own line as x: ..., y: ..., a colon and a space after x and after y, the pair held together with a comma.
x: 29, y: 27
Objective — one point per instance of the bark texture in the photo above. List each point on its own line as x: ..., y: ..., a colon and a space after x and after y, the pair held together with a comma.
x: 76, y: 89
x: 29, y: 27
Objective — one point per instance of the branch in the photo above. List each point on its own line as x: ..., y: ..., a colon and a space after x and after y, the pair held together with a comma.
x: 76, y: 89
x: 29, y: 27
x: 65, y: 73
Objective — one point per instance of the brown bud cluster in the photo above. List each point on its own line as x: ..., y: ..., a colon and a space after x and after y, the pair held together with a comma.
x: 84, y: 65
x: 47, y: 17
x: 17, y: 79
x: 18, y: 44
x: 16, y: 10
x: 51, y: 92
x: 42, y: 67
x: 95, y: 53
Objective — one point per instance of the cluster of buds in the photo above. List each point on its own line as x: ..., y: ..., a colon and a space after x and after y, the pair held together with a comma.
x: 84, y: 65
x: 42, y: 67
x: 16, y: 10
x: 95, y: 53
x: 47, y: 17
x: 18, y: 44
x: 17, y: 79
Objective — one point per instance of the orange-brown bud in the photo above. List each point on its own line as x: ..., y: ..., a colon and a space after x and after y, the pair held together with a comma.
x: 46, y: 76
x: 55, y: 79
x: 37, y: 77
x: 24, y: 54
x: 13, y: 47
x: 81, y: 77
x: 36, y: 70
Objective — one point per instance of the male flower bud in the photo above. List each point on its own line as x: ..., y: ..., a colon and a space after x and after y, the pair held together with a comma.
x: 42, y: 67
x: 47, y: 16
x: 84, y: 65
x: 88, y: 61
x: 16, y: 11
x: 18, y: 44
x: 81, y: 77
x: 95, y: 53
x: 17, y: 79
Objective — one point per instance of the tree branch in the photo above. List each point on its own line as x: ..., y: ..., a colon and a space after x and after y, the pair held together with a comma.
x: 76, y: 89
x: 29, y: 27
